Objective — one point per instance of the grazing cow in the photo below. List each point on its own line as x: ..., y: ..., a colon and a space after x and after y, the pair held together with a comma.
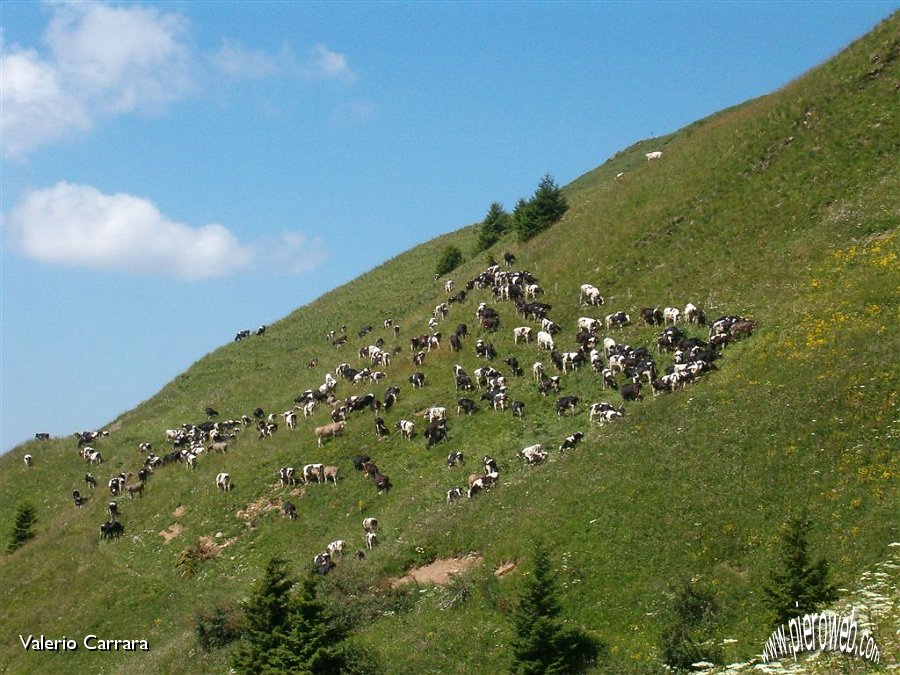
x: 223, y: 482
x: 522, y: 333
x: 331, y: 472
x: 261, y: 330
x: 741, y: 329
x: 289, y: 510
x: 79, y: 500
x: 632, y: 392
x: 371, y: 540
x: 672, y: 314
x: 693, y: 314
x: 605, y: 411
x: 90, y: 481
x: 116, y: 485
x: 290, y: 419
x: 417, y: 379
x: 111, y: 530
x: 566, y: 403
x: 113, y: 510
x: 313, y: 471
x: 533, y: 454
x: 571, y: 441
x: 382, y: 483
x: 617, y: 320
x: 588, y: 324
x: 448, y: 286
x: 359, y: 461
x: 455, y: 459
x: 241, y: 335
x: 287, y: 475
x: 133, y: 490
x: 436, y: 432
x: 407, y: 429
x: 591, y: 294
x: 329, y: 430
x: 537, y: 371
x: 652, y: 316
x: 453, y: 494
x: 323, y: 563
x: 336, y: 548
x: 489, y: 464
x: 42, y: 436
x: 518, y: 408
x: 370, y: 524
x: 549, y: 384
x: 466, y: 405
x: 381, y: 431
x: 656, y: 154
x: 545, y: 340
x: 29, y: 460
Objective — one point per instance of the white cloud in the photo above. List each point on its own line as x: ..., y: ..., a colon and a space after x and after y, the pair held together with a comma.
x: 292, y: 253
x: 325, y: 64
x: 78, y: 225
x: 104, y: 60
x: 239, y: 62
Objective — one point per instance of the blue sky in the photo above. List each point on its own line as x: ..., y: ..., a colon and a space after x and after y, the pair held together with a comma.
x: 174, y: 172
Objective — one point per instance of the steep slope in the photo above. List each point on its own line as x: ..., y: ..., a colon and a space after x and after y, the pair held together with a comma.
x: 783, y: 209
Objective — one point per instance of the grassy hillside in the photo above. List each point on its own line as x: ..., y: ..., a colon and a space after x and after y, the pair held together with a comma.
x: 783, y: 209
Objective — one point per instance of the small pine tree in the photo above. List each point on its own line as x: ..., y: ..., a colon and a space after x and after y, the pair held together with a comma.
x: 544, y: 209
x: 494, y: 226
x: 23, y: 530
x: 543, y: 645
x: 450, y: 259
x: 287, y: 631
x: 798, y: 586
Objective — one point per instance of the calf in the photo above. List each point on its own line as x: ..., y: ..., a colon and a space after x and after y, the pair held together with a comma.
x: 455, y: 459
x: 289, y: 510
x: 371, y: 540
x: 518, y: 408
x: 223, y: 482
x: 90, y: 481
x: 453, y: 494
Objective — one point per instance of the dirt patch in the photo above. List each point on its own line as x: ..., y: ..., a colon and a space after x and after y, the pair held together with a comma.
x: 505, y: 568
x: 259, y: 507
x: 439, y: 572
x: 171, y: 532
x: 179, y: 511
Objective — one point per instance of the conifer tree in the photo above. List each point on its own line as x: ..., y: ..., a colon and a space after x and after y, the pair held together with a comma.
x: 288, y: 631
x: 543, y: 645
x: 545, y: 208
x: 799, y: 586
x: 23, y: 529
x: 494, y: 226
x: 450, y: 259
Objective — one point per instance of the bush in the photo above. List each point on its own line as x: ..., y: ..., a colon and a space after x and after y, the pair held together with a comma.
x: 450, y: 259
x: 218, y: 627
x: 686, y: 638
x: 495, y: 224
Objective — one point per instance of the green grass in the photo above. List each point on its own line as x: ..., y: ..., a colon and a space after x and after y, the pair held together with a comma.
x: 783, y: 209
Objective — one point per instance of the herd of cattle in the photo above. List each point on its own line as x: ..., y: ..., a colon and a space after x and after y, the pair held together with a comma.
x: 618, y: 366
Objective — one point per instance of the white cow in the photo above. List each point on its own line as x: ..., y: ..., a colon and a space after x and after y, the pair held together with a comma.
x: 223, y: 482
